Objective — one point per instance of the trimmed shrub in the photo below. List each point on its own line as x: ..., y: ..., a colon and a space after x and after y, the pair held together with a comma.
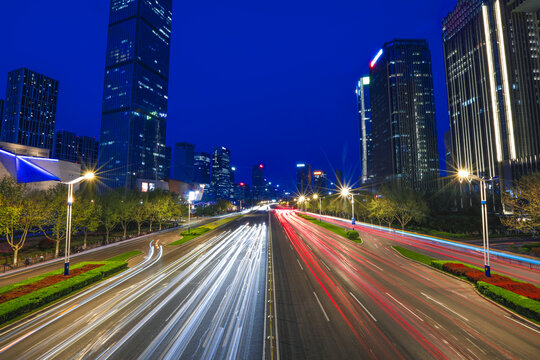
x: 353, y: 235
x: 520, y: 304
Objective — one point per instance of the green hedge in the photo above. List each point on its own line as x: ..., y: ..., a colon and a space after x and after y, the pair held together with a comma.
x: 520, y: 304
x: 26, y: 303
x: 353, y: 235
x: 125, y: 256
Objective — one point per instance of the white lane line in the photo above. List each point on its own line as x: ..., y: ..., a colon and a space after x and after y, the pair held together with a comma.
x: 324, y: 312
x: 301, y: 267
x: 372, y: 264
x: 528, y: 327
x: 362, y: 305
x: 406, y: 308
x: 478, y: 347
x: 446, y: 307
x: 326, y: 266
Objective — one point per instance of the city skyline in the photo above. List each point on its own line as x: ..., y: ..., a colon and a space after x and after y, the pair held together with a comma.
x: 351, y: 64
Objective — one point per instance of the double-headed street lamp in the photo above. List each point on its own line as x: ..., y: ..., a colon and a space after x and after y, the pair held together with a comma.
x: 88, y: 176
x: 465, y: 174
x: 315, y: 197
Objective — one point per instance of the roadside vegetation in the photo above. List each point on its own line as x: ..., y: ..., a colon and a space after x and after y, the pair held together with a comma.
x: 198, y: 231
x: 519, y: 296
x: 351, y: 234
x: 437, y: 213
x: 31, y: 294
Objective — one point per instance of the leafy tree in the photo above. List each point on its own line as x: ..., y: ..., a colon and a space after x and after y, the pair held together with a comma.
x: 125, y: 208
x: 52, y: 206
x: 109, y: 212
x: 87, y: 214
x: 524, y: 201
x: 18, y: 214
x: 140, y: 213
x: 407, y: 206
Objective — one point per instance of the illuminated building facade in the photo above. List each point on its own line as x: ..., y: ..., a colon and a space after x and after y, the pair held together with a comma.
x: 257, y: 182
x: 320, y: 182
x: 492, y: 58
x: 135, y: 94
x: 202, y: 166
x: 78, y: 149
x: 403, y: 115
x: 364, y: 118
x: 303, y: 179
x: 29, y: 109
x: 221, y: 186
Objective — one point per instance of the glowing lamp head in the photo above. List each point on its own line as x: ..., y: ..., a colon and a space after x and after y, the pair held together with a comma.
x: 89, y: 175
x: 463, y: 174
x: 315, y: 196
x: 301, y: 198
x: 345, y: 192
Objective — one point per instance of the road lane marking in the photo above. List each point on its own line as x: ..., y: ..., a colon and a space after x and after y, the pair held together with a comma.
x: 446, y: 307
x: 528, y: 327
x: 300, y: 264
x: 406, y: 308
x: 324, y: 312
x: 478, y: 347
x: 362, y: 305
x: 326, y: 266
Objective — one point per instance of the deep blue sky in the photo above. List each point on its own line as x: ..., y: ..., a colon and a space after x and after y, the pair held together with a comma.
x: 273, y: 81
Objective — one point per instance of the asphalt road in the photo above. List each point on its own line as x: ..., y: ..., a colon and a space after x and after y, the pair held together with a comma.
x: 203, y: 299
x: 336, y: 299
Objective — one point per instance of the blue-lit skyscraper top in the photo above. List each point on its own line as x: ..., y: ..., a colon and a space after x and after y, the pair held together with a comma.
x: 134, y: 111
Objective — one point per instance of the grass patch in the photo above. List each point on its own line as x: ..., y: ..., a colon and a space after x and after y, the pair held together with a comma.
x: 198, y: 231
x: 414, y: 255
x: 333, y: 228
x: 523, y: 305
x: 125, y: 256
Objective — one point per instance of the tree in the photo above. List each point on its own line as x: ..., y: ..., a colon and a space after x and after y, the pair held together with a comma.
x: 382, y: 209
x: 109, y: 212
x: 18, y: 214
x: 524, y: 201
x: 125, y: 208
x: 87, y: 214
x: 163, y: 208
x: 408, y: 206
x: 140, y: 213
x: 52, y: 206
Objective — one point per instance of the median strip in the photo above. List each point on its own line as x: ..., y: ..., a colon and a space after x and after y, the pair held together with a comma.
x: 188, y: 235
x: 351, y: 234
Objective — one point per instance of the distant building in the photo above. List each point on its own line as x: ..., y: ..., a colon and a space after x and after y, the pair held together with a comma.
x: 202, y: 168
x: 221, y: 185
x: 364, y: 118
x: 303, y: 178
x: 448, y: 152
x: 29, y: 109
x: 78, y: 149
x: 257, y: 182
x: 320, y: 182
x: 135, y: 93
x: 338, y: 175
x: 403, y: 115
x: 1, y: 114
x: 242, y: 193
x: 183, y: 168
x: 492, y: 51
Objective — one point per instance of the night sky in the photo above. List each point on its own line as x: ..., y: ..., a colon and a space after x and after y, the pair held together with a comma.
x: 272, y: 81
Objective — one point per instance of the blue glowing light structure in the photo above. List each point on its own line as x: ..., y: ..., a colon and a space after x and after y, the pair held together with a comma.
x: 374, y: 61
x: 25, y: 169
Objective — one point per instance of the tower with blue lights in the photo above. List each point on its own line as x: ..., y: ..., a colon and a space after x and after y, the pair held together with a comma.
x: 135, y: 93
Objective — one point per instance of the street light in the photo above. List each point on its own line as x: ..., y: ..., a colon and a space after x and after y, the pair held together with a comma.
x: 315, y: 197
x: 88, y: 176
x: 465, y: 174
x: 346, y: 193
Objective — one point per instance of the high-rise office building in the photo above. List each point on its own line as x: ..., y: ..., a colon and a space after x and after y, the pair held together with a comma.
x: 448, y: 153
x: 1, y: 114
x: 221, y: 185
x: 29, y: 109
x: 403, y: 115
x: 338, y: 175
x: 492, y: 59
x: 303, y: 178
x: 78, y: 149
x: 257, y: 182
x: 364, y: 118
x: 134, y: 111
x: 183, y: 168
x: 320, y: 182
x: 202, y: 165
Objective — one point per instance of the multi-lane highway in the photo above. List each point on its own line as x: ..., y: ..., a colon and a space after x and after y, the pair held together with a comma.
x: 337, y: 299
x: 201, y: 300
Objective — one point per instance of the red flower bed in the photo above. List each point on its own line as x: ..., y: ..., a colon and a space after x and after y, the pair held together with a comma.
x: 474, y: 275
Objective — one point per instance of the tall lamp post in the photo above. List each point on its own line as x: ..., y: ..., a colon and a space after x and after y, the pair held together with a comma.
x: 88, y: 176
x: 301, y: 199
x: 465, y: 174
x: 347, y: 193
x: 315, y: 197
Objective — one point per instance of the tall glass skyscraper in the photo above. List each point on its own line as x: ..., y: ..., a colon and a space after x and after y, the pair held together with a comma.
x: 29, y: 109
x: 403, y: 115
x: 203, y: 163
x: 492, y: 58
x: 222, y: 187
x: 364, y: 118
x: 184, y: 162
x: 134, y: 111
